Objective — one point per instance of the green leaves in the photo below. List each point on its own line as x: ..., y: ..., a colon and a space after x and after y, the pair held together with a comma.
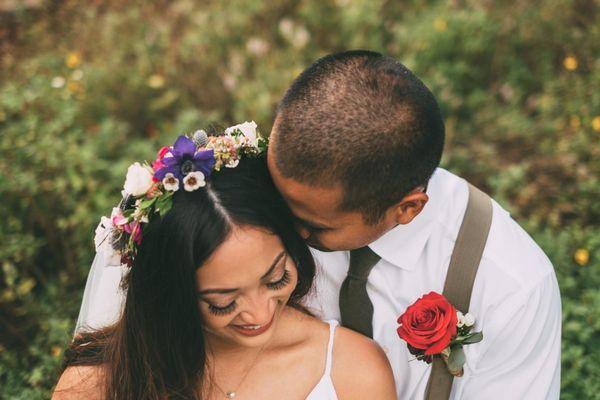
x: 164, y: 204
x: 455, y: 360
x: 470, y: 338
x: 475, y: 337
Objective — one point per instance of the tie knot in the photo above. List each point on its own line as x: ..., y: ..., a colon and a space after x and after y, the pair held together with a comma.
x: 362, y: 262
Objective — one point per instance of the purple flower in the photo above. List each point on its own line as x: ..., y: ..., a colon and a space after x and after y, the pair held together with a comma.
x: 185, y: 160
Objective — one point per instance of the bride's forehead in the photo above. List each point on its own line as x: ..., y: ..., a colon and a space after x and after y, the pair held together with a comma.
x: 246, y: 252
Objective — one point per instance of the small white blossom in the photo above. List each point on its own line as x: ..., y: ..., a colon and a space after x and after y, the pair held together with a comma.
x: 461, y: 319
x: 170, y: 183
x: 232, y: 163
x: 138, y: 180
x: 469, y: 319
x: 77, y: 74
x: 257, y: 46
x: 58, y: 82
x: 301, y: 37
x: 248, y: 130
x: 193, y: 181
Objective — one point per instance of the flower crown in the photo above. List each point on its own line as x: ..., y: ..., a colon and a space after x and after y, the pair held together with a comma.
x: 149, y: 188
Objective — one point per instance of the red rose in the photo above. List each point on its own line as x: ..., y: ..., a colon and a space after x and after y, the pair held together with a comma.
x: 429, y: 324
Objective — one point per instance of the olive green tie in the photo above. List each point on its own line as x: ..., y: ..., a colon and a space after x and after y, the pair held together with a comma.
x: 355, y: 306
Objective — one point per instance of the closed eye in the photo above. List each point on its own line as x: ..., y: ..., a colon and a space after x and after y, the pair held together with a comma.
x: 282, y: 282
x: 216, y: 310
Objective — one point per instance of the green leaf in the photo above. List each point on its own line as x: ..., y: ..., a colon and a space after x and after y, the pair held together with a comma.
x: 456, y: 360
x: 474, y: 337
x: 164, y: 204
x: 146, y: 203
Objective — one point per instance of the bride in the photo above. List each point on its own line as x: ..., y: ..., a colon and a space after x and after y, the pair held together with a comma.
x: 215, y: 278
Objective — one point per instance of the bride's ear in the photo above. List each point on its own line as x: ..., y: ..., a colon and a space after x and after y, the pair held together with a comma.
x: 410, y: 206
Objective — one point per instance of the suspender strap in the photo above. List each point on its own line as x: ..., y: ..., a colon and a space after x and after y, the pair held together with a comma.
x: 462, y: 270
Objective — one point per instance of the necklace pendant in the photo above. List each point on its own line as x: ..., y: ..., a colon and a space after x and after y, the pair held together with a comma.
x: 230, y: 395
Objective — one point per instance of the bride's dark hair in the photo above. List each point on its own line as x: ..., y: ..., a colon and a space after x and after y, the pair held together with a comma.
x: 156, y: 349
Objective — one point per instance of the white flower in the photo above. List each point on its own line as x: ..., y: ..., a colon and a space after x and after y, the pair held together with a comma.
x: 469, y: 319
x: 248, y: 130
x: 77, y: 74
x: 170, y: 183
x: 138, y: 180
x: 58, y: 82
x: 257, y: 46
x: 461, y: 319
x: 232, y: 163
x: 193, y: 181
x: 103, y: 240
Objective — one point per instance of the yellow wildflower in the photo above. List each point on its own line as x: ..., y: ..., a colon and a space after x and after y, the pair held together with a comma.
x: 582, y: 256
x: 56, y: 351
x: 596, y: 123
x: 73, y: 59
x: 156, y: 81
x: 440, y: 24
x: 570, y: 63
x: 75, y: 87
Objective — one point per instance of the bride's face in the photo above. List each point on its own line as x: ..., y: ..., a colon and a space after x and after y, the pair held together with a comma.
x: 244, y: 286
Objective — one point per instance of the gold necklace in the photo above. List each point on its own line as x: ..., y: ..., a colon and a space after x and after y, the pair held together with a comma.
x: 230, y: 394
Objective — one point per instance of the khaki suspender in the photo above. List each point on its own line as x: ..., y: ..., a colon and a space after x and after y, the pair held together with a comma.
x: 462, y: 270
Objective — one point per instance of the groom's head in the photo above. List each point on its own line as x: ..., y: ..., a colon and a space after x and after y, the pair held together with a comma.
x: 355, y: 140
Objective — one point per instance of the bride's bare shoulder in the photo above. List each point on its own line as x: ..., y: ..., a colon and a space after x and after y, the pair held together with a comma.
x: 361, y: 369
x: 80, y: 382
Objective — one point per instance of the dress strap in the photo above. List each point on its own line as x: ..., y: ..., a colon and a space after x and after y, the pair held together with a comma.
x: 332, y: 325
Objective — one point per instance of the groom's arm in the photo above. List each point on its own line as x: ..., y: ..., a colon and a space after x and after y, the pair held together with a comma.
x: 520, y: 356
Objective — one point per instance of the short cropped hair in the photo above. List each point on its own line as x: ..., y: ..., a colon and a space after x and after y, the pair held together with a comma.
x: 361, y: 120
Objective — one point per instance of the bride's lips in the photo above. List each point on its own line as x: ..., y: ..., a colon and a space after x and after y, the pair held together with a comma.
x: 253, y: 330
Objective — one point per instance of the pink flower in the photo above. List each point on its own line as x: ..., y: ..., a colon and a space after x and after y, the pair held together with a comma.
x: 118, y: 219
x: 135, y: 230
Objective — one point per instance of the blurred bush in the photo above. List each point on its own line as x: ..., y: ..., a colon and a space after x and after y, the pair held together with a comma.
x: 89, y: 87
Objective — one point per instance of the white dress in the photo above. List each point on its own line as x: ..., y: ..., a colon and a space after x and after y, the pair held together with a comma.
x: 324, y: 390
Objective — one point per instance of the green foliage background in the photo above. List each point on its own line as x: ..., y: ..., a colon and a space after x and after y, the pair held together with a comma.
x: 88, y: 87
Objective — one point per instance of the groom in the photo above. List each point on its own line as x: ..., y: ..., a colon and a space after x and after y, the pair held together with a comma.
x: 355, y: 151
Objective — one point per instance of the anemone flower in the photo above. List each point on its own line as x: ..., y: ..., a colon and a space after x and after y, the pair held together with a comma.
x: 185, y: 159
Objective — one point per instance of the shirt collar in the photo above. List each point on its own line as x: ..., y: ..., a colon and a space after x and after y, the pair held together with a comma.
x: 402, y: 246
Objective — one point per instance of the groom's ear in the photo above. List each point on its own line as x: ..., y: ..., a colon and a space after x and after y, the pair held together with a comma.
x: 410, y: 206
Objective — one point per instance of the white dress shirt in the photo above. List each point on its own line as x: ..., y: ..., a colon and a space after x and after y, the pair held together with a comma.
x: 515, y: 299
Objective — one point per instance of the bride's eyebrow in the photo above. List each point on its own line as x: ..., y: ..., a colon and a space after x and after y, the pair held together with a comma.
x: 227, y: 291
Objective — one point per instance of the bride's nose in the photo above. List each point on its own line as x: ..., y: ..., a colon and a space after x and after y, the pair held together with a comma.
x: 258, y: 310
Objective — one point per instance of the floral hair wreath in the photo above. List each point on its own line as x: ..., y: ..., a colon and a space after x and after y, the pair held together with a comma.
x: 149, y: 188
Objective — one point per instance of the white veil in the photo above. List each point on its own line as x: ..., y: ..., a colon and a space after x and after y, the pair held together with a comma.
x: 103, y: 298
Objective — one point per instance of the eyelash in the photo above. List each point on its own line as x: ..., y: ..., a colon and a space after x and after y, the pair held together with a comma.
x: 280, y: 284
x: 285, y: 279
x: 222, y: 310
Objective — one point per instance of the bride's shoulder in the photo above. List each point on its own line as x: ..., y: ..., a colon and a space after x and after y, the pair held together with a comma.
x: 360, y: 368
x: 81, y: 381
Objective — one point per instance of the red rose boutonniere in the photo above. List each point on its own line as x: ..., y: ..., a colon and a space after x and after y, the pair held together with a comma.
x: 431, y: 327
